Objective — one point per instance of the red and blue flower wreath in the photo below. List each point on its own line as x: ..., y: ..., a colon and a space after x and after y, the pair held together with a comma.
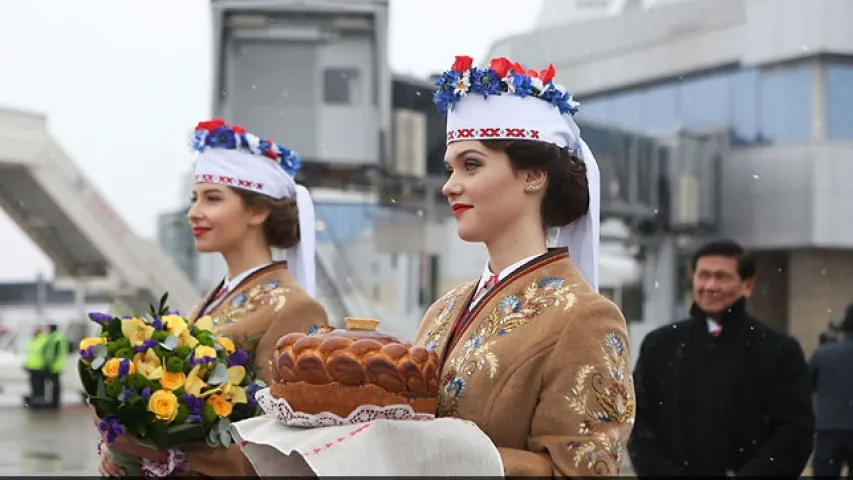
x: 503, y: 77
x: 216, y: 133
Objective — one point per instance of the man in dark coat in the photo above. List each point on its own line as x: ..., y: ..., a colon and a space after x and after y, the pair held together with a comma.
x: 720, y: 393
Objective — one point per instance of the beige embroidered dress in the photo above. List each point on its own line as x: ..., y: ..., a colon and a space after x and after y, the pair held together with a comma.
x: 541, y: 365
x: 264, y: 306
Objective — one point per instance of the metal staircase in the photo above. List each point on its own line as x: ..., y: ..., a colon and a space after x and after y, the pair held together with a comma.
x: 91, y: 247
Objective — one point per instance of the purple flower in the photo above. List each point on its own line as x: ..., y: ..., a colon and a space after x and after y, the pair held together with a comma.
x: 111, y: 427
x: 157, y: 323
x: 146, y: 344
x: 123, y: 368
x: 146, y: 393
x: 201, y: 361
x: 86, y: 354
x: 238, y: 358
x: 100, y: 318
x: 125, y: 395
x: 193, y: 404
x: 194, y: 419
x: 173, y: 312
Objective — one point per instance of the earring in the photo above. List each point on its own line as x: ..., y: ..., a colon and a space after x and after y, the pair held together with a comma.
x: 530, y: 188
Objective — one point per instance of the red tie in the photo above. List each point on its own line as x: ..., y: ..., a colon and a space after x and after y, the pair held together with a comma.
x: 716, y: 333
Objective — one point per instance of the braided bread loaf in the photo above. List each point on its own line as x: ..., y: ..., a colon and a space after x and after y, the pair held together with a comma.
x: 338, y: 370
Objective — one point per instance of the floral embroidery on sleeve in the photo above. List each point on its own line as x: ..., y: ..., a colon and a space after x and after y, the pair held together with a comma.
x: 606, y: 403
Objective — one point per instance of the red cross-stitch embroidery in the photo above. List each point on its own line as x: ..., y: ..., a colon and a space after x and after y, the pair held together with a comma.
x: 493, y: 132
x: 223, y: 180
x: 338, y: 440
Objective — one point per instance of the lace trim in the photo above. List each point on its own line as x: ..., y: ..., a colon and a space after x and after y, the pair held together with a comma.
x: 175, y: 463
x: 283, y: 412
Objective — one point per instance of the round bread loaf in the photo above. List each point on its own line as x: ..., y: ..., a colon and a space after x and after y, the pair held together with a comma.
x: 339, y: 370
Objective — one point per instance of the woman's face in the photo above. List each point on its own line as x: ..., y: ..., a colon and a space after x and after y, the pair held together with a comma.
x: 487, y: 197
x: 219, y: 218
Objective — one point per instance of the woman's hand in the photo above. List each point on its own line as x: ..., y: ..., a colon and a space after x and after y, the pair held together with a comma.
x: 107, y: 468
x: 125, y: 445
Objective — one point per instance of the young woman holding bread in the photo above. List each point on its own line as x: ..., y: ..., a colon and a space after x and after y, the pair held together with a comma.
x: 532, y: 354
x: 245, y: 202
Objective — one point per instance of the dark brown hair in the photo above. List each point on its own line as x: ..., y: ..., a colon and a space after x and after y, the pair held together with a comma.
x: 282, y: 226
x: 567, y: 195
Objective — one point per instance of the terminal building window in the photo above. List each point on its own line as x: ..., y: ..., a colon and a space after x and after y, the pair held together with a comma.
x: 341, y: 86
x: 839, y: 101
x: 750, y: 102
x: 784, y: 106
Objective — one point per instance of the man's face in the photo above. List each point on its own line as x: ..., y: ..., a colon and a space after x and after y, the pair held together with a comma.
x: 717, y: 284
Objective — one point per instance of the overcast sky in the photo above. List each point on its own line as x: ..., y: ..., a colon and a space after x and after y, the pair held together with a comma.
x: 123, y: 82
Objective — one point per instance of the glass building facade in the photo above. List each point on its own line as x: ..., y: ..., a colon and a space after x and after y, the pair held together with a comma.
x: 760, y: 106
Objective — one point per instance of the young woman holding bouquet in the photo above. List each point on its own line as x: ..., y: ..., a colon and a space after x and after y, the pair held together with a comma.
x: 531, y: 353
x: 245, y: 202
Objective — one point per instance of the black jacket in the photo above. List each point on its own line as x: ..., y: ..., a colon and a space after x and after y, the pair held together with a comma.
x: 831, y: 369
x: 707, y: 405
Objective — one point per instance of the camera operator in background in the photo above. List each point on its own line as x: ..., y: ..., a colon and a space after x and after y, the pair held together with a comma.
x: 832, y: 384
x: 831, y: 334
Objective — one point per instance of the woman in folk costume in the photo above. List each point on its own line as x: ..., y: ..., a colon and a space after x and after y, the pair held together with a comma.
x: 245, y: 202
x: 531, y: 353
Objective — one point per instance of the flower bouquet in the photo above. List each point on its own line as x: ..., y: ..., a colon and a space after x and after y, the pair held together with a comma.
x: 165, y: 382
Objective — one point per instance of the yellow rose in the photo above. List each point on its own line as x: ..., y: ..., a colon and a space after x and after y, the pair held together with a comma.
x: 174, y: 324
x: 112, y: 366
x: 227, y: 344
x: 173, y: 380
x: 91, y: 342
x: 204, y: 351
x: 220, y: 405
x: 164, y: 405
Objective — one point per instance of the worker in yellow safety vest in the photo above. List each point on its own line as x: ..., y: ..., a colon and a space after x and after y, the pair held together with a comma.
x: 56, y: 356
x: 35, y: 365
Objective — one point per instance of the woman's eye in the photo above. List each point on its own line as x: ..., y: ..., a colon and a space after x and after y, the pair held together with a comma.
x: 471, y: 164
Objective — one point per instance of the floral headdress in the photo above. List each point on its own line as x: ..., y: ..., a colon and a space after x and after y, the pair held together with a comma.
x: 503, y: 77
x: 218, y: 134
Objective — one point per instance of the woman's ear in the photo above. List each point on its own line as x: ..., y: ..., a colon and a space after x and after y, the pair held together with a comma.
x: 258, y: 215
x: 535, y: 180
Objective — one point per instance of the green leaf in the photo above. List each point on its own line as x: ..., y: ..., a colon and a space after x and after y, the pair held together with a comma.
x: 186, y: 433
x: 101, y: 390
x: 87, y: 378
x: 159, y: 435
x: 223, y: 425
x: 225, y: 439
x: 219, y: 374
x: 100, y: 351
x: 213, y: 438
x: 170, y: 343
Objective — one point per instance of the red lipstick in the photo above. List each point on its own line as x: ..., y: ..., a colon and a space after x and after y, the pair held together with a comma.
x: 199, y: 231
x: 460, y: 208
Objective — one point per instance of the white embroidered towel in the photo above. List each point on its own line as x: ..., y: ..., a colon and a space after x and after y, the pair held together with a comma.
x: 443, y: 446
